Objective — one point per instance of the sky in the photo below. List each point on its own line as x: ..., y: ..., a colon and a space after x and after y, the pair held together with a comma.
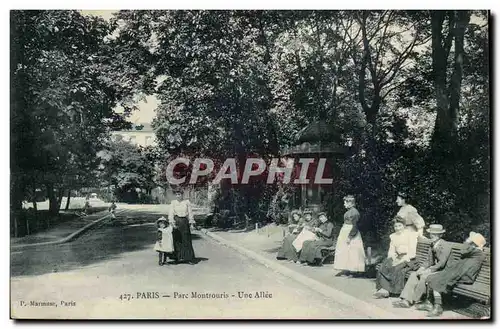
x: 146, y: 110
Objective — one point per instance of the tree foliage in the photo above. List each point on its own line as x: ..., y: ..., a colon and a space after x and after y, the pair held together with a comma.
x: 244, y: 83
x: 64, y: 87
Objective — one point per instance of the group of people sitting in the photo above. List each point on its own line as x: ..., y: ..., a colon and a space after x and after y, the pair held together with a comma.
x: 427, y: 281
x: 309, y: 236
x: 439, y: 273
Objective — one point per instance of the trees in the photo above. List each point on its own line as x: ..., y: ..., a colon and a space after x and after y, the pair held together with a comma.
x: 127, y: 168
x: 243, y: 83
x: 447, y: 88
x: 63, y: 91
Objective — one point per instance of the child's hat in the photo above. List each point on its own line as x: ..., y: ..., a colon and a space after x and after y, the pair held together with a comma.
x: 161, y: 219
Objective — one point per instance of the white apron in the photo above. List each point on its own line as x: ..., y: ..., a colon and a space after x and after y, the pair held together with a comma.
x: 349, y: 257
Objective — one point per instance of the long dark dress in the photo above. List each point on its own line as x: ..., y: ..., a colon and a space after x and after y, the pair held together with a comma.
x: 311, y: 249
x: 392, y: 278
x: 287, y: 251
x: 183, y: 245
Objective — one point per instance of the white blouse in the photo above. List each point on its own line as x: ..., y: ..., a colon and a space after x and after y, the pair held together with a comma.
x: 404, y: 238
x: 181, y: 209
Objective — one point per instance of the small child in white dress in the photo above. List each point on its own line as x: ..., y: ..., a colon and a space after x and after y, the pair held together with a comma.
x: 164, y: 240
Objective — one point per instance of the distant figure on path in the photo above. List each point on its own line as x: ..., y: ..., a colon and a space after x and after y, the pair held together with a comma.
x: 86, y: 207
x: 181, y: 217
x: 112, y: 209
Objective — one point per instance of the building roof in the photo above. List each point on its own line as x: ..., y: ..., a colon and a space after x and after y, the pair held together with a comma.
x: 318, y: 131
x: 316, y: 138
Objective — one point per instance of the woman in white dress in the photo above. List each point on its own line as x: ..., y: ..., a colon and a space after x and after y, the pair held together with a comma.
x: 181, y: 217
x: 350, y: 252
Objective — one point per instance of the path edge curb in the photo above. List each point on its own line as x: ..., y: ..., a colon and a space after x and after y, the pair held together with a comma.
x: 343, y: 298
x: 69, y: 238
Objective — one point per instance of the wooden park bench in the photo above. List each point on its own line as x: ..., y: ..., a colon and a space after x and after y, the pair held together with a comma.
x: 480, y: 290
x: 326, y: 252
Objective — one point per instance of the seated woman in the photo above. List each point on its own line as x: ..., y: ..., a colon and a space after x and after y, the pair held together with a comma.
x: 287, y: 251
x: 400, y: 260
x: 311, y: 249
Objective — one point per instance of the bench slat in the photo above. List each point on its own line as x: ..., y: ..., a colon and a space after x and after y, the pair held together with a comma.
x: 479, y: 292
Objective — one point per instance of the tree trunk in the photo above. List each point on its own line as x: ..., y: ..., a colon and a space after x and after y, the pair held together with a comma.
x: 60, y: 194
x: 54, y: 204
x: 34, y: 201
x: 16, y: 194
x: 28, y: 225
x: 463, y: 18
x: 16, y: 229
x: 447, y: 97
x: 67, y: 201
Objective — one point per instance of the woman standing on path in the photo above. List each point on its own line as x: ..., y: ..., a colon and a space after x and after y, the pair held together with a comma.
x: 350, y: 252
x: 181, y: 217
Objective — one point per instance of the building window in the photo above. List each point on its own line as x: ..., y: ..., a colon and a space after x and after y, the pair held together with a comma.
x: 148, y: 140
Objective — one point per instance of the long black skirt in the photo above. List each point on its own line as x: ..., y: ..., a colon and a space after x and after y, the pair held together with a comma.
x: 183, y: 245
x: 287, y: 251
x: 392, y: 278
x: 311, y: 250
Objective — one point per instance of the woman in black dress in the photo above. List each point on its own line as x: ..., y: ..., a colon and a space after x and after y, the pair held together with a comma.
x: 181, y: 217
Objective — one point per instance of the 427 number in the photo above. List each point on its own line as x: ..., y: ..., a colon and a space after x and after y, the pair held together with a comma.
x: 126, y: 297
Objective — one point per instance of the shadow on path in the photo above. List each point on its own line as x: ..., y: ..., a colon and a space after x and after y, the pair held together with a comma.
x: 129, y: 233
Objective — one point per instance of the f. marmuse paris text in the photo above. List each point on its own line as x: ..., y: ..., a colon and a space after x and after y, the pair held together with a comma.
x: 36, y: 303
x: 253, y: 167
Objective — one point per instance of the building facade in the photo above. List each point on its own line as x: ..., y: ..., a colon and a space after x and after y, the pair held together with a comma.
x: 140, y: 135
